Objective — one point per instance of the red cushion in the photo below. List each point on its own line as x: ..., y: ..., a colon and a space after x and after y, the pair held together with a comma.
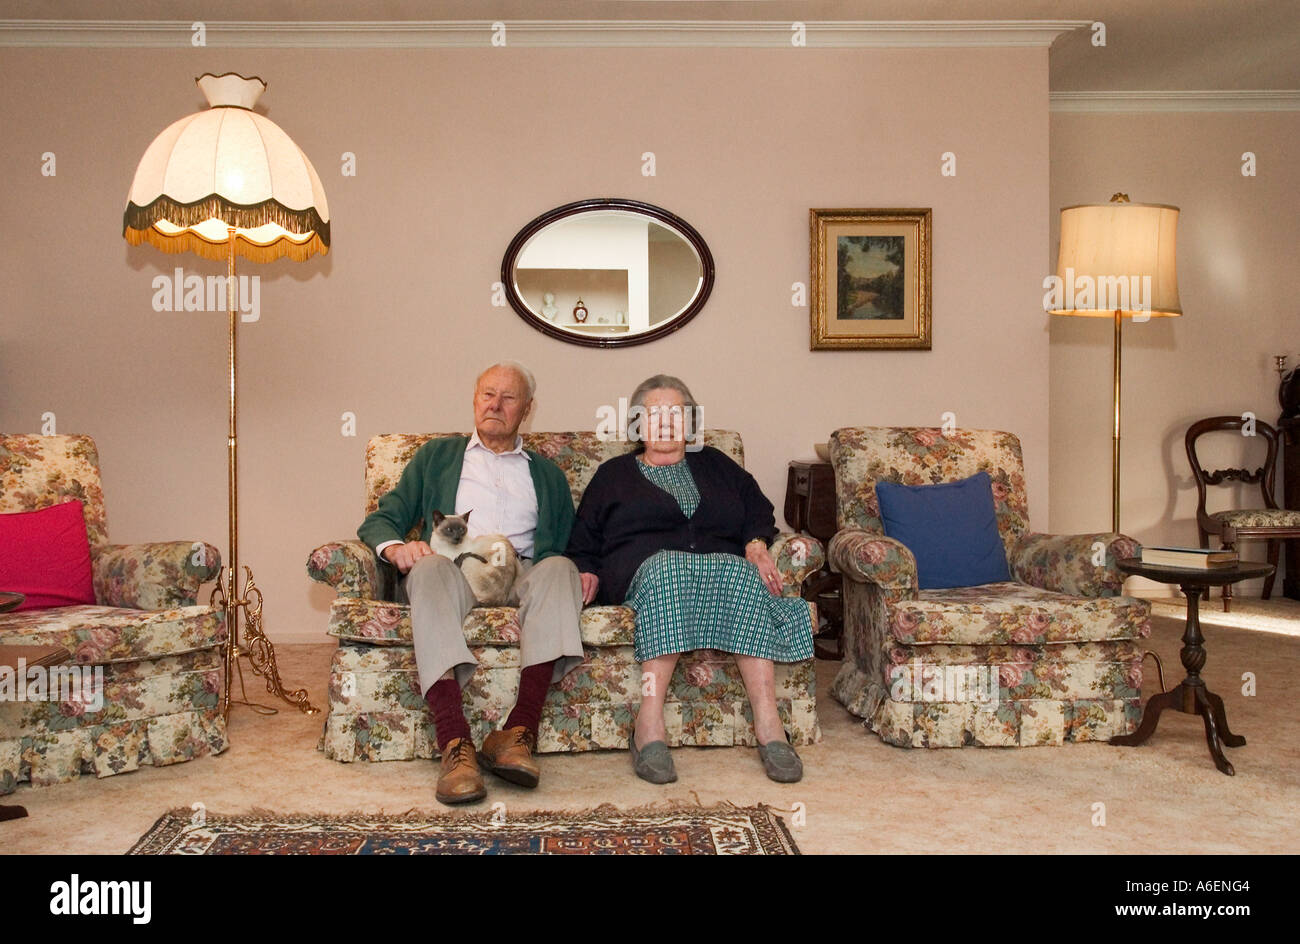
x: 45, y: 554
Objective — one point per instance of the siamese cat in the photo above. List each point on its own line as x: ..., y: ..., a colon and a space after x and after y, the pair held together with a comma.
x: 489, y: 561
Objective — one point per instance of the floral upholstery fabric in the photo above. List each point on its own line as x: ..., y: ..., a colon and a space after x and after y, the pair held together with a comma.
x: 98, y: 635
x: 39, y: 471
x: 349, y: 567
x: 153, y: 576
x: 160, y: 653
x: 375, y: 709
x: 1258, y: 518
x: 1009, y: 613
x: 155, y: 712
x: 862, y: 456
x: 1079, y: 564
x: 376, y: 712
x: 1048, y: 657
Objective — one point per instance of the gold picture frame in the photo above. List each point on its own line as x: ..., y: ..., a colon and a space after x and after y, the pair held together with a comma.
x: 870, y: 279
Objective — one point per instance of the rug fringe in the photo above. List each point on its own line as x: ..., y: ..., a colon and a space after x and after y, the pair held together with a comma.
x: 441, y: 815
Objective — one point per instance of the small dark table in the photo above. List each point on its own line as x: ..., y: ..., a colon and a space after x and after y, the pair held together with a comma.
x: 810, y: 507
x: 1191, y: 696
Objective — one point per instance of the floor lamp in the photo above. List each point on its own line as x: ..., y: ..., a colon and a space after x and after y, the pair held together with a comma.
x: 1117, y: 260
x: 221, y: 183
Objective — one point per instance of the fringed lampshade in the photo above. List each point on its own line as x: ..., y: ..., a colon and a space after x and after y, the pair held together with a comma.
x: 228, y: 167
x: 222, y: 183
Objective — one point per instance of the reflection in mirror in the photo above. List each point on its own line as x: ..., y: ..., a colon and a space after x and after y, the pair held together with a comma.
x: 607, y: 272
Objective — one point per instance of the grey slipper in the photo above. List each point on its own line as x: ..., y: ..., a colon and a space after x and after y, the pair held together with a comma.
x: 781, y: 762
x: 652, y: 762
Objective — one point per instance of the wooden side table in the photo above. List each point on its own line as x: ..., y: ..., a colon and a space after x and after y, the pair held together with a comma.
x: 810, y: 507
x: 1191, y: 696
x: 1290, y: 429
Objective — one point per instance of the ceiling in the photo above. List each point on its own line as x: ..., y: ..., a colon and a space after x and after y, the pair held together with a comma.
x: 1150, y: 44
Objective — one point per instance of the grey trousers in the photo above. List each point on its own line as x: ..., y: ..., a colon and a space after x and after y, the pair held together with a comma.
x: 550, y: 598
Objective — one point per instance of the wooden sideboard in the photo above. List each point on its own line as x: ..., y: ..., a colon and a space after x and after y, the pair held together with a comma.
x: 1290, y: 429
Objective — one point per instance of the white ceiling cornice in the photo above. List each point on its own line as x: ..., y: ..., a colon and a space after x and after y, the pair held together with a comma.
x: 1225, y: 100
x: 533, y: 33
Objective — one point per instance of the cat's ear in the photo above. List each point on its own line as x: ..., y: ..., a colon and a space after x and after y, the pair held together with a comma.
x: 465, y: 516
x: 438, y: 517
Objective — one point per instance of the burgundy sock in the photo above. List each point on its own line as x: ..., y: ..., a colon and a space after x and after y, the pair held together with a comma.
x: 443, y: 697
x: 533, y: 683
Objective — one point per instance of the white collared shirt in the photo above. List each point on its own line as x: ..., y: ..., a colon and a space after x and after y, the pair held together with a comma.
x: 498, y: 489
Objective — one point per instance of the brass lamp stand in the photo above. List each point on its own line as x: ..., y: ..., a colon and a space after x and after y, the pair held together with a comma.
x: 248, y: 601
x: 219, y: 183
x: 1109, y: 252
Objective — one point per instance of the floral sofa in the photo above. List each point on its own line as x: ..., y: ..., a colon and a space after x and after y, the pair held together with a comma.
x: 160, y: 653
x: 375, y: 709
x: 1053, y: 655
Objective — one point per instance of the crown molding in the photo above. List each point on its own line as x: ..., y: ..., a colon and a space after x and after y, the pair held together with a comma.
x: 1132, y: 102
x: 426, y: 34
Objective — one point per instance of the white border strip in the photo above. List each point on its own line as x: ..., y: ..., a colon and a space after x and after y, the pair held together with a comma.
x: 533, y: 33
x: 1111, y: 102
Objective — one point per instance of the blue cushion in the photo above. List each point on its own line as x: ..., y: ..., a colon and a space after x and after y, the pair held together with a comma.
x: 951, y: 529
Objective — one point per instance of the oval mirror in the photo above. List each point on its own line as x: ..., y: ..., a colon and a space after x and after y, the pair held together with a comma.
x: 607, y: 272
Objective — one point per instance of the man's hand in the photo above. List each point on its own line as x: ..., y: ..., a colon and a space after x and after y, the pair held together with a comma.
x: 404, y: 556
x: 590, y: 584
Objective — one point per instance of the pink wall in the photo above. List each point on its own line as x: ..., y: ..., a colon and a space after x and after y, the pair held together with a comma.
x: 1237, y: 240
x: 456, y: 149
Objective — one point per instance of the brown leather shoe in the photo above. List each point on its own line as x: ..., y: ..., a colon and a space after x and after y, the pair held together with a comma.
x: 460, y: 780
x: 509, y: 755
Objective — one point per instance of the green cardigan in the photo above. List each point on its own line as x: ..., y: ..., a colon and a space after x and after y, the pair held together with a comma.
x: 430, y: 481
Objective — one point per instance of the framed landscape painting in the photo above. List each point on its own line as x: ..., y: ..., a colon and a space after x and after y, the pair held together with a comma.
x: 870, y: 279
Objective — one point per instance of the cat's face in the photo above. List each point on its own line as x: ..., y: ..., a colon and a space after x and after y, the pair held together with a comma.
x: 450, y: 528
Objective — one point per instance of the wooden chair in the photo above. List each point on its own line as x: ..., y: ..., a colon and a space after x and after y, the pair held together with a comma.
x: 1270, y: 523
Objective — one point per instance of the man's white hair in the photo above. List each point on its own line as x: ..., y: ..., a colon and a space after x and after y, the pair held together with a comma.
x: 524, y: 373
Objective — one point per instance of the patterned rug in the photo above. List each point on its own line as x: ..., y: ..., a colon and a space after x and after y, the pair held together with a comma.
x: 717, y: 830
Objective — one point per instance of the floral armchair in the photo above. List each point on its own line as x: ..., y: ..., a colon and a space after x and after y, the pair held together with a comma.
x: 1050, y: 656
x: 376, y: 712
x: 160, y: 653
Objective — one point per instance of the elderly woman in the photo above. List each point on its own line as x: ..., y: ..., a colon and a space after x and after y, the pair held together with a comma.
x: 682, y: 538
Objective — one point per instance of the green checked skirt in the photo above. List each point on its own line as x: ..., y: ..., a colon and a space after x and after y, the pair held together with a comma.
x: 714, y: 601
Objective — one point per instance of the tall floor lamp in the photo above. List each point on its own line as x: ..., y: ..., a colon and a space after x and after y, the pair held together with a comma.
x: 1117, y: 260
x: 221, y: 183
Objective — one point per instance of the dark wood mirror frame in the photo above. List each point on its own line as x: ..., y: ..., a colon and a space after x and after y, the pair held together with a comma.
x: 658, y: 214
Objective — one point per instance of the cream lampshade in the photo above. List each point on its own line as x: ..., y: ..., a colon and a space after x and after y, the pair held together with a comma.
x: 221, y: 183
x: 1118, y: 260
x: 223, y: 168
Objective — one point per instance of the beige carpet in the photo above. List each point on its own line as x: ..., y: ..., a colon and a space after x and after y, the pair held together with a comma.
x: 858, y: 795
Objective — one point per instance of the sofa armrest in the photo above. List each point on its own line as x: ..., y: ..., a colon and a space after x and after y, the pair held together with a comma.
x: 798, y: 557
x: 1078, y: 564
x: 350, y: 567
x: 870, y: 557
x: 156, y: 576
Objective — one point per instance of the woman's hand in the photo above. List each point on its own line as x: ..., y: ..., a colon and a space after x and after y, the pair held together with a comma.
x: 590, y: 584
x: 756, y: 553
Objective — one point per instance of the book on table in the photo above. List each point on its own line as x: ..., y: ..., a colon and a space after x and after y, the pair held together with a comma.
x: 1198, y: 558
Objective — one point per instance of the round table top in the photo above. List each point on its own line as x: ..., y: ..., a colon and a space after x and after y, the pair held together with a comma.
x: 1205, y: 577
x: 9, y: 600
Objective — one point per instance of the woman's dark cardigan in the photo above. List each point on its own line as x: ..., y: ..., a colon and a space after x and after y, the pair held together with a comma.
x: 624, y: 518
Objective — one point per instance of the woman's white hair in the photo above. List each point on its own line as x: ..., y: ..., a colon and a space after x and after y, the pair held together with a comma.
x: 524, y: 373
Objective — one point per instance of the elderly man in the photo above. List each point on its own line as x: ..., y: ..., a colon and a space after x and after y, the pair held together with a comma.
x: 514, y: 492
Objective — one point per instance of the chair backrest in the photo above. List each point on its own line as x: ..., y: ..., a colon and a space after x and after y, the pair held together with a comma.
x: 39, y: 471
x: 1249, y: 429
x: 864, y: 455
x: 577, y: 455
